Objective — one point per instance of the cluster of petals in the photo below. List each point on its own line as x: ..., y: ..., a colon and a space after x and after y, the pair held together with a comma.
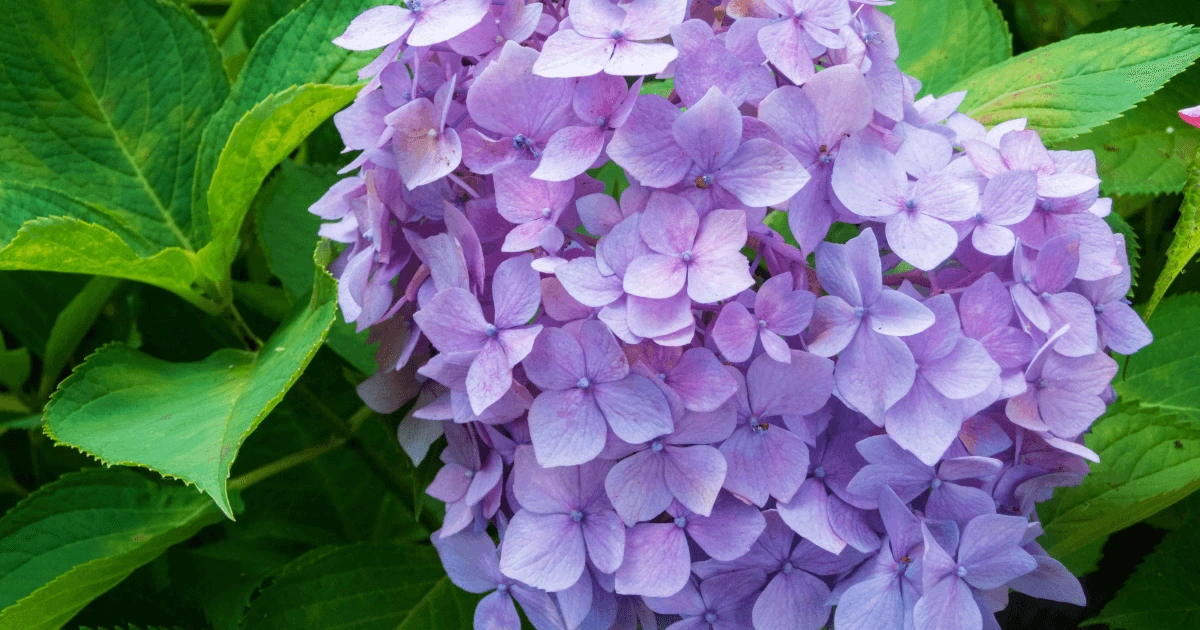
x: 659, y: 408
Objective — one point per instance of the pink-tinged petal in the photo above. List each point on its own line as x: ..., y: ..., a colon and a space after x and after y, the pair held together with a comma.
x: 556, y: 361
x: 1065, y: 184
x: 543, y: 550
x: 439, y: 22
x: 636, y: 487
x: 485, y: 478
x: 1023, y: 150
x: 1009, y: 197
x: 543, y: 490
x: 453, y: 321
x: 645, y: 147
x: 762, y: 173
x: 730, y: 531
x: 1050, y: 580
x: 705, y: 427
x: 993, y: 240
x: 951, y: 501
x: 362, y: 124
x: 713, y: 278
x: 898, y: 315
x: 764, y: 463
x: 497, y: 611
x: 797, y: 388
x: 599, y: 213
x: 602, y: 356
x: 874, y: 371
x: 670, y: 224
x: 652, y: 19
x: 597, y: 97
x: 721, y: 232
x: 793, y: 600
x: 869, y: 181
x: 923, y: 151
x: 526, y: 236
x: 1191, y: 115
x: 655, y: 276
x: 786, y: 311
x: 596, y: 18
x: 842, y: 99
x: 710, y: 131
x: 921, y: 240
x: 784, y: 45
x: 776, y: 347
x: 808, y: 515
x: 582, y: 279
x: 851, y: 525
x: 694, y: 475
x: 710, y: 66
x: 791, y: 113
x: 735, y: 332
x: 484, y: 155
x: 700, y: 380
x: 566, y: 427
x: 635, y: 59
x: 424, y: 151
x: 516, y: 292
x: 576, y: 601
x: 570, y: 152
x: 605, y: 538
x: 634, y: 408
x: 924, y: 422
x: 538, y: 607
x: 657, y: 562
x: 1075, y: 313
x: 490, y: 376
x: 649, y: 317
x: 569, y: 54
x: 450, y: 485
x: 834, y: 325
x: 376, y: 28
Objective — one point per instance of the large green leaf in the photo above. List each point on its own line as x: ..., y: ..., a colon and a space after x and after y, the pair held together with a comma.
x: 185, y: 420
x: 73, y: 539
x: 260, y: 141
x: 945, y: 41
x: 70, y: 327
x: 288, y: 231
x: 1041, y: 22
x: 1147, y: 150
x: 296, y: 51
x: 1149, y: 442
x: 1164, y: 592
x: 1069, y: 87
x: 367, y: 586
x: 102, y: 106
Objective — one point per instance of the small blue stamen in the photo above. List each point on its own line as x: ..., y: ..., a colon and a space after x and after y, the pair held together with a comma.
x: 1099, y: 308
x: 788, y: 568
x: 656, y: 446
x: 762, y: 323
x: 490, y: 330
x: 936, y: 483
x: 710, y: 617
x: 686, y: 256
x: 910, y: 204
x: 576, y: 516
x: 1042, y: 384
x: 819, y: 472
x: 859, y: 311
x: 583, y: 383
x: 962, y: 572
x: 680, y: 522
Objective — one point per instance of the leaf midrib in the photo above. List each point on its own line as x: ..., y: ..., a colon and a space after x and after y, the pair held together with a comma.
x: 141, y: 178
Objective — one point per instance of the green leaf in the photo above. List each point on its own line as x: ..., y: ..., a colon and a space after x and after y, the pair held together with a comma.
x: 660, y: 87
x: 1069, y: 87
x: 296, y: 51
x: 14, y: 368
x: 33, y: 299
x: 945, y: 41
x: 185, y: 420
x: 1149, y: 442
x: 77, y: 537
x: 1186, y: 242
x: 1164, y: 592
x: 220, y: 577
x: 260, y: 15
x: 1086, y: 559
x: 70, y: 327
x: 1041, y: 22
x: 1147, y: 150
x: 102, y: 106
x: 260, y: 141
x: 392, y: 586
x: 288, y: 231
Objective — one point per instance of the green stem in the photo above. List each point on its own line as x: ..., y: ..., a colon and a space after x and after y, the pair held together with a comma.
x: 241, y: 328
x: 284, y: 463
x: 230, y: 19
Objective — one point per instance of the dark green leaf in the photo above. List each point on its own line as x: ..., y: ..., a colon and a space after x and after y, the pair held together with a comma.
x: 1186, y: 242
x: 261, y: 15
x: 70, y: 327
x: 185, y: 420
x: 392, y: 586
x: 220, y: 577
x: 73, y: 539
x: 102, y: 106
x: 1164, y: 592
x: 33, y: 299
x: 945, y: 41
x: 1070, y: 87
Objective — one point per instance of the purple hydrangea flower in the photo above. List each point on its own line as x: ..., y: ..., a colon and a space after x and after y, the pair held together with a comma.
x: 613, y: 39
x: 779, y: 311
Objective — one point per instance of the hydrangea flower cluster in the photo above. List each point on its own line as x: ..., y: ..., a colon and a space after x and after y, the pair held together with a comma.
x: 662, y: 409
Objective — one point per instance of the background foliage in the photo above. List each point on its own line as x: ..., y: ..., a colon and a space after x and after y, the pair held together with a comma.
x: 156, y: 161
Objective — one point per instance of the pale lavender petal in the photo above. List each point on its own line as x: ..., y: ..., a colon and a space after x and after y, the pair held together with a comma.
x: 635, y: 59
x: 556, y: 361
x: 489, y: 377
x: 439, y: 22
x: 896, y: 314
x: 694, y: 475
x: 567, y: 427
x: 543, y: 550
x: 834, y: 324
x: 516, y: 292
x: 596, y: 18
x: 636, y: 487
x: 605, y: 537
x: 603, y: 358
x: 570, y: 152
x: 762, y: 173
x: 376, y: 28
x: 784, y: 45
x: 808, y: 515
x: 599, y: 213
x: 453, y: 321
x: 797, y: 388
x: 924, y: 422
x: 497, y: 611
x: 582, y: 279
x: 765, y: 463
x: 729, y: 532
x: 649, y: 317
x: 869, y: 180
x: 657, y: 562
x: 921, y: 240
x: 792, y: 601
x: 872, y: 604
x: 947, y: 605
x: 700, y: 380
x: 645, y: 147
x: 651, y: 19
x: 991, y: 553
x: 569, y: 54
x: 634, y: 408
x: 874, y: 371
x: 710, y: 131
x: 735, y: 332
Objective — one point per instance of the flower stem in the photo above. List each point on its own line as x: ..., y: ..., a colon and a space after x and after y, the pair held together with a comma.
x: 229, y: 20
x: 284, y: 463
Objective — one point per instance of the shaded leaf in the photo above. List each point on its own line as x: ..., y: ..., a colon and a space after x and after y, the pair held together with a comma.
x: 102, y: 106
x: 1186, y: 241
x: 77, y: 537
x: 33, y: 299
x: 1164, y: 592
x: 945, y: 41
x: 185, y: 420
x: 70, y: 327
x: 1069, y: 87
x: 393, y: 586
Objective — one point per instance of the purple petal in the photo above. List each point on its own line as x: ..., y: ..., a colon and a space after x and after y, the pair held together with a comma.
x: 490, y: 376
x: 869, y: 180
x: 376, y: 28
x: 636, y: 59
x: 700, y: 380
x: 439, y: 22
x: 896, y: 314
x: 516, y: 292
x: 921, y: 240
x: 453, y: 321
x: 874, y: 371
x: 767, y: 463
x: 636, y: 487
x: 762, y: 173
x: 582, y: 279
x: 543, y: 550
x: 797, y: 388
x: 694, y: 475
x: 570, y: 152
x: 991, y: 553
x: 507, y: 98
x: 710, y: 131
x: 730, y: 531
x: 784, y: 45
x: 808, y: 515
x: 556, y: 361
x: 735, y: 332
x: 567, y: 427
x: 602, y: 356
x: 649, y: 317
x: 497, y: 611
x: 599, y: 213
x: 834, y: 324
x: 634, y: 408
x: 657, y: 562
x: 645, y: 147
x: 793, y: 600
x: 605, y: 537
x: 569, y: 54
x: 470, y: 560
x: 924, y: 422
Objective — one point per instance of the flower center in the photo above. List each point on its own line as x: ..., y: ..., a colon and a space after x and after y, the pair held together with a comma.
x: 490, y: 330
x: 432, y: 133
x: 601, y: 121
x: 521, y: 142
x: 819, y: 472
x: 661, y: 376
x: 1026, y: 278
x: 1041, y: 383
x: 469, y: 474
x: 686, y: 256
x: 788, y: 568
x: 583, y: 383
x: 680, y: 522
x: 762, y: 323
x: 576, y: 516
x: 979, y: 217
x: 499, y: 39
x: 1099, y: 308
x: 502, y: 588
x: 710, y: 617
x: 656, y: 446
x: 859, y: 311
x: 415, y: 5
x: 704, y: 181
x: 936, y: 483
x: 826, y: 158
x: 962, y: 572
x: 910, y: 204
x: 758, y: 424
x: 1045, y: 296
x: 616, y: 34
x: 546, y: 212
